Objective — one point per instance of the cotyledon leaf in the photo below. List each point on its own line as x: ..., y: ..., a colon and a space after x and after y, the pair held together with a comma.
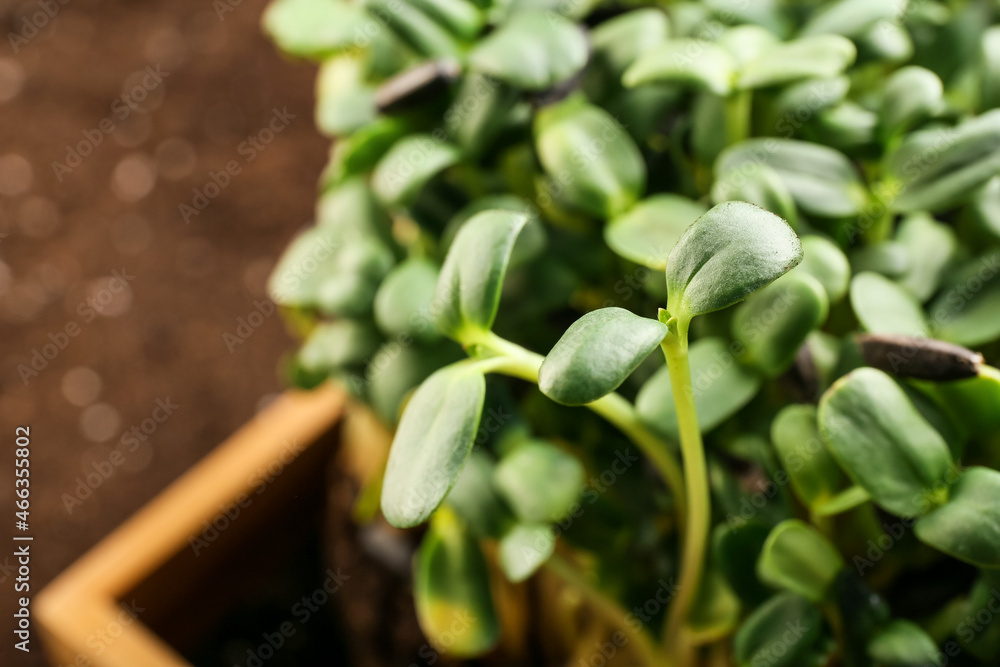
x: 533, y: 50
x: 468, y: 288
x: 432, y: 442
x: 727, y: 254
x: 814, y: 57
x: 647, y: 232
x: 692, y: 61
x: 821, y: 180
x: 596, y: 354
x: 882, y: 306
x: 539, y: 481
x: 941, y: 168
x: 451, y: 589
x: 798, y: 558
x: 409, y: 165
x: 595, y: 161
x: 773, y: 323
x: 814, y: 475
x: 968, y: 525
x: 884, y: 444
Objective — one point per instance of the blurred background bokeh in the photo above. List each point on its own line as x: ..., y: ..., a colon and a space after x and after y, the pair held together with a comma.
x: 160, y: 96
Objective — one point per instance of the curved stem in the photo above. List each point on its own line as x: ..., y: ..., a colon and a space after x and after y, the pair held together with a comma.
x: 610, y: 610
x: 514, y: 360
x: 675, y: 349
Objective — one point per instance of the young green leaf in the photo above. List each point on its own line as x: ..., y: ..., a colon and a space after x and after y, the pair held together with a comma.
x: 931, y: 246
x: 524, y: 548
x: 967, y: 527
x: 485, y: 106
x: 404, y: 299
x: 475, y: 500
x: 350, y: 209
x: 596, y: 354
x: 967, y: 311
x: 344, y: 102
x: 773, y: 323
x: 399, y: 371
x: 332, y: 345
x: 319, y: 270
x: 419, y: 30
x: 432, y: 441
x: 989, y: 68
x: 539, y: 481
x: 745, y: 42
x: 849, y: 17
x: 821, y: 180
x: 721, y: 387
x: 726, y: 255
x: 817, y: 57
x: 817, y: 95
x: 314, y: 28
x: 903, y: 644
x: 940, y: 169
x: 462, y: 18
x: 972, y: 401
x: 451, y: 588
x: 799, y: 559
x: 847, y: 126
x: 359, y: 152
x: 735, y: 548
x: 409, y: 165
x: 883, y: 443
x: 889, y: 258
x: 827, y: 263
x: 533, y: 50
x: 762, y: 185
x: 468, y: 288
x: 715, y: 611
x: 647, y: 232
x: 882, y: 306
x: 786, y: 622
x: 618, y: 42
x: 691, y: 61
x: 912, y: 95
x: 592, y: 155
x: 814, y: 475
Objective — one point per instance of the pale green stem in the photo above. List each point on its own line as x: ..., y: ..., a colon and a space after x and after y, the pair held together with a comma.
x: 610, y: 610
x: 675, y: 349
x: 512, y: 359
x: 738, y: 116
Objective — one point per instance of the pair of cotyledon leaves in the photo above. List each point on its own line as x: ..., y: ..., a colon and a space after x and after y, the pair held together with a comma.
x: 731, y: 251
x: 888, y: 449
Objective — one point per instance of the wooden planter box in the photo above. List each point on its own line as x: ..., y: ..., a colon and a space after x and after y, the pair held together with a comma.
x: 155, y: 562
